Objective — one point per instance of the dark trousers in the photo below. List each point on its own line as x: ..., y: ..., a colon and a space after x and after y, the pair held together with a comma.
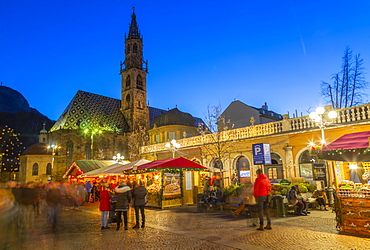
x: 263, y: 208
x: 321, y: 201
x: 300, y: 207
x: 119, y: 218
x: 142, y: 211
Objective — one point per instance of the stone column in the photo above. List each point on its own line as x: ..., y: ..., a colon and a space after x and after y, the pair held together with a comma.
x: 289, y: 162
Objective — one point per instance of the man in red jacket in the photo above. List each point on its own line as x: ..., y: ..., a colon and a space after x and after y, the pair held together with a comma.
x: 262, y: 189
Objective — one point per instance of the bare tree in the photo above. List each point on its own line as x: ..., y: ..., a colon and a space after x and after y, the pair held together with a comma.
x: 217, y: 143
x: 136, y: 140
x: 347, y: 88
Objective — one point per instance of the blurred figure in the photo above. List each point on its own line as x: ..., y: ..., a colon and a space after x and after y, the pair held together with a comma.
x: 124, y: 197
x: 53, y: 198
x: 234, y: 179
x: 8, y: 216
x: 104, y: 205
x: 320, y: 195
x: 247, y: 200
x: 293, y: 200
x: 88, y: 187
x: 94, y: 191
x: 139, y: 201
x: 28, y: 199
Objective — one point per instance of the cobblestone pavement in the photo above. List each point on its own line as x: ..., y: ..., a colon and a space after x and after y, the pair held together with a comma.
x: 185, y: 228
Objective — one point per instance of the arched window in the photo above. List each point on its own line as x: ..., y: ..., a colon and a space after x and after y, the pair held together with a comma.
x: 35, y: 169
x: 128, y: 100
x: 139, y: 82
x: 69, y: 152
x: 306, y: 161
x: 134, y: 48
x: 306, y: 157
x: 128, y: 82
x: 48, y: 169
x: 244, y: 171
x: 217, y: 163
x: 88, y: 151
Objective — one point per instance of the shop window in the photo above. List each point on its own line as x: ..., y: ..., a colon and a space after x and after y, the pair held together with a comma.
x: 306, y: 161
x: 48, y: 169
x: 35, y: 169
x: 156, y: 139
x: 272, y: 173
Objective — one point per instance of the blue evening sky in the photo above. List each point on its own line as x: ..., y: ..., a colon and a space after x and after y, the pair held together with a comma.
x: 200, y: 53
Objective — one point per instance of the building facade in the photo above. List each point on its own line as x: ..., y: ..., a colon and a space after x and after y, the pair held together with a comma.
x: 292, y: 147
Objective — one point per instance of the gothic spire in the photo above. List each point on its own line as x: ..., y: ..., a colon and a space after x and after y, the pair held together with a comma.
x: 134, y: 30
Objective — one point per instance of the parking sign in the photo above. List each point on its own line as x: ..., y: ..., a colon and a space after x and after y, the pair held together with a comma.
x: 261, y: 153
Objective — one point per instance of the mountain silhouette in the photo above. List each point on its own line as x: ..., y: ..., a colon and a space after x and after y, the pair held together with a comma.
x: 16, y: 113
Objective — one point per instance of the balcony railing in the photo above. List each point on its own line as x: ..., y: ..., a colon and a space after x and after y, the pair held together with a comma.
x: 347, y: 115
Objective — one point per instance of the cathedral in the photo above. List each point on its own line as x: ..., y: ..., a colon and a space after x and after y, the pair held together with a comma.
x: 96, y: 127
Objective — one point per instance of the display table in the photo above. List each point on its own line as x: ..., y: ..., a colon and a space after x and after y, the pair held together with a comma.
x: 354, y: 216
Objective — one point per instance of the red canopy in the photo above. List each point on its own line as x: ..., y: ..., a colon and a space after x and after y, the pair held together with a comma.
x: 350, y: 141
x: 171, y: 163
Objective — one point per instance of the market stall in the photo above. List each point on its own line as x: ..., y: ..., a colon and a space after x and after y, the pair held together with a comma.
x: 169, y: 182
x: 80, y: 167
x: 111, y: 173
x: 350, y: 161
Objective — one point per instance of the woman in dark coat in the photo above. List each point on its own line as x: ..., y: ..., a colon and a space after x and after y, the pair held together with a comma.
x: 124, y: 197
x: 139, y: 201
x: 104, y: 205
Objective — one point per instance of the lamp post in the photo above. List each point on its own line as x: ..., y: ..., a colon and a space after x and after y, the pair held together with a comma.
x: 92, y: 133
x: 173, y: 146
x: 53, y: 148
x: 118, y: 157
x: 322, y: 118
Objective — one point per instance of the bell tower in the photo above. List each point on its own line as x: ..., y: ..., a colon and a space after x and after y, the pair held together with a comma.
x: 133, y: 72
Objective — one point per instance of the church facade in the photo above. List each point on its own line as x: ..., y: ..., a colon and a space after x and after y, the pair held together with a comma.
x: 96, y: 127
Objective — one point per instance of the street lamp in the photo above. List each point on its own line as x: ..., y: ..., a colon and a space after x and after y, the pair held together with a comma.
x: 173, y: 146
x: 92, y: 133
x: 319, y: 117
x: 53, y: 148
x: 118, y: 157
x: 322, y: 119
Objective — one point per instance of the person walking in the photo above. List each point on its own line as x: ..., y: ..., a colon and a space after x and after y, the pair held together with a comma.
x: 28, y: 196
x: 124, y: 196
x: 53, y: 198
x: 262, y: 188
x: 104, y: 205
x: 88, y: 187
x: 139, y: 201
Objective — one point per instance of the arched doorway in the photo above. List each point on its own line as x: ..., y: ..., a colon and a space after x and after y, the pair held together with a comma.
x: 312, y: 168
x: 244, y: 170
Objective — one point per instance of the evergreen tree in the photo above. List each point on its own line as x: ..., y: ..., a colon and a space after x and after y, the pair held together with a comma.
x: 10, y: 151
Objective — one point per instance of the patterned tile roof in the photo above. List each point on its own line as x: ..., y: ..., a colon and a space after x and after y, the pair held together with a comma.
x: 87, y: 110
